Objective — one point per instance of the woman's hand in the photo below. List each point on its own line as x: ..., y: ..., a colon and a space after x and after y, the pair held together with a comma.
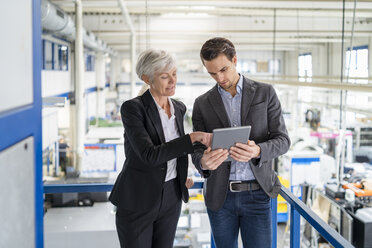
x: 189, y: 182
x: 202, y: 137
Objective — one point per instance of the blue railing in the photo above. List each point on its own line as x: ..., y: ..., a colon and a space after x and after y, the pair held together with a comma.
x: 298, y: 208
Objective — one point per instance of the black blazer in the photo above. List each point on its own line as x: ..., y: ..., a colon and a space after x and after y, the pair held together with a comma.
x: 140, y: 183
x: 261, y: 109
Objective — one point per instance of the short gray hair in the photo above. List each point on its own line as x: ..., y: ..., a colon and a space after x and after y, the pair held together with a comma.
x: 151, y: 61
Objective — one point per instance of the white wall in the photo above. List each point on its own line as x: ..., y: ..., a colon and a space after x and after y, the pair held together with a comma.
x: 64, y: 116
x: 55, y: 82
x: 319, y: 59
x: 89, y: 79
x: 16, y: 56
x: 370, y: 55
x: 91, y: 104
x: 50, y: 127
x: 19, y: 187
x: 290, y: 63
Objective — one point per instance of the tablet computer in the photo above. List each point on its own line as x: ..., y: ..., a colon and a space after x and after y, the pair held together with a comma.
x: 227, y: 137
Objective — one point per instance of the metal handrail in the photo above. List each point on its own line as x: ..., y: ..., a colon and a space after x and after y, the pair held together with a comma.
x: 299, y: 208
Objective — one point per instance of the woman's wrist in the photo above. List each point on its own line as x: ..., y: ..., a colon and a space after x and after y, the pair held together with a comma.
x: 192, y: 137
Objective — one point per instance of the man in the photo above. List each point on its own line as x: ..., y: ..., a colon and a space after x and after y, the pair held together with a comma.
x: 237, y: 194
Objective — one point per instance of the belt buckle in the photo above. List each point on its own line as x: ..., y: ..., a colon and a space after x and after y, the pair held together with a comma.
x: 231, y: 183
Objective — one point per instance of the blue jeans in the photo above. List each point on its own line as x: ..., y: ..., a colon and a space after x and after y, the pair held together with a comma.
x: 249, y: 211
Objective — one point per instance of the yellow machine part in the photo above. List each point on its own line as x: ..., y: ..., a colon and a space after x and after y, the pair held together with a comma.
x: 282, y: 204
x: 198, y: 197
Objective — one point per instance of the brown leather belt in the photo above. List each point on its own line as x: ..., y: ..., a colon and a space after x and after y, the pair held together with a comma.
x: 238, y: 186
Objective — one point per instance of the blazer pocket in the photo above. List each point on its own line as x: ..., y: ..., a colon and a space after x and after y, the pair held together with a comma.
x: 258, y: 106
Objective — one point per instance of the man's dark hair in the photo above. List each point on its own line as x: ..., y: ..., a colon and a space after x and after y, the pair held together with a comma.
x: 215, y: 46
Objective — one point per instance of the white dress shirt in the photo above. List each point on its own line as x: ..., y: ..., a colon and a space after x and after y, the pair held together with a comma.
x: 170, y: 133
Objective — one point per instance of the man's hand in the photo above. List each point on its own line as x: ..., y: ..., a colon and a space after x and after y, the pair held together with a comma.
x: 245, y: 152
x: 212, y: 159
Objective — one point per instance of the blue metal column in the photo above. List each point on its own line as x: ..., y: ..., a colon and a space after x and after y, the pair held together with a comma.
x: 274, y: 222
x: 56, y: 158
x: 37, y: 120
x: 295, y: 228
x: 48, y: 160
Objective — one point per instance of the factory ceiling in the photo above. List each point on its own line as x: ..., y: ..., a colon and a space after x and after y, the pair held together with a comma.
x: 183, y: 26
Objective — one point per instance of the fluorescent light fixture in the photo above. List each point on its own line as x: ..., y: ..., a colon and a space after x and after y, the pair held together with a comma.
x: 190, y: 11
x: 201, y: 7
x: 185, y: 15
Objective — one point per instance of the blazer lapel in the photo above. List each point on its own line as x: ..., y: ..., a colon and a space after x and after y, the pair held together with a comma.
x: 248, y: 92
x: 217, y: 104
x: 153, y: 113
x: 179, y: 118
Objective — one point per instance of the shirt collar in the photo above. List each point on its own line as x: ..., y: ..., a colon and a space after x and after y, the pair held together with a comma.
x: 239, y: 86
x: 160, y: 109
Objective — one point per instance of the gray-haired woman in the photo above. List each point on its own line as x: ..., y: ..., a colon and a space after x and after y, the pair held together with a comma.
x: 149, y: 189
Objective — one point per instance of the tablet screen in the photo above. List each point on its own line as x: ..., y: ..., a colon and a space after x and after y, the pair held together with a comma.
x: 227, y: 137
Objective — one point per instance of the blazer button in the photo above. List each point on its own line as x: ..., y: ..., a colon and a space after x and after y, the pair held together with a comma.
x: 162, y: 168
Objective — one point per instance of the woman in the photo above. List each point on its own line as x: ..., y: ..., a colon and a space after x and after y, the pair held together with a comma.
x: 149, y: 189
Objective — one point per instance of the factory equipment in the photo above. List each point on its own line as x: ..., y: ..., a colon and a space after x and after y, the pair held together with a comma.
x: 312, y: 117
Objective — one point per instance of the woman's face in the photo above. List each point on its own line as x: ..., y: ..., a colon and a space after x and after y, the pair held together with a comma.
x: 164, y: 83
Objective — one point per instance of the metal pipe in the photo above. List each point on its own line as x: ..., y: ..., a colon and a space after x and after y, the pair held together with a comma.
x: 274, y: 43
x: 351, y: 43
x: 100, y: 83
x: 113, y: 72
x: 57, y: 21
x: 125, y: 12
x: 126, y: 15
x: 133, y: 65
x: 342, y: 59
x: 343, y: 121
x: 326, y: 85
x: 255, y: 5
x: 79, y: 86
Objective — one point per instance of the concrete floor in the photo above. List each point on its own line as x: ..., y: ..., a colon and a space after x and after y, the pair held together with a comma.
x: 77, y: 227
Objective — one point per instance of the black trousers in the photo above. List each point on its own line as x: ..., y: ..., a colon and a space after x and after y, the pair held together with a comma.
x: 155, y: 228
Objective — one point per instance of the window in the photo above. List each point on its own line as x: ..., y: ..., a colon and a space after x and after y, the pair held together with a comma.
x: 274, y: 66
x: 305, y: 67
x: 246, y: 66
x: 56, y: 60
x: 63, y: 57
x: 47, y: 55
x: 358, y: 62
x: 89, y: 62
x: 55, y: 56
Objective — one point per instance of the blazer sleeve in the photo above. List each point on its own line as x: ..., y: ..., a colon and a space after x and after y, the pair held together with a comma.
x: 198, y: 125
x: 133, y: 119
x: 278, y: 142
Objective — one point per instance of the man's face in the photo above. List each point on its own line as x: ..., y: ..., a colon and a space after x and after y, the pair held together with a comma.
x: 223, y: 71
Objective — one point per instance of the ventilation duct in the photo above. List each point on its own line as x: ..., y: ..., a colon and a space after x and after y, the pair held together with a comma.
x: 56, y: 21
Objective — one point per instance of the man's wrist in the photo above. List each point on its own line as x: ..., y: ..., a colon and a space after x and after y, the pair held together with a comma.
x: 259, y: 152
